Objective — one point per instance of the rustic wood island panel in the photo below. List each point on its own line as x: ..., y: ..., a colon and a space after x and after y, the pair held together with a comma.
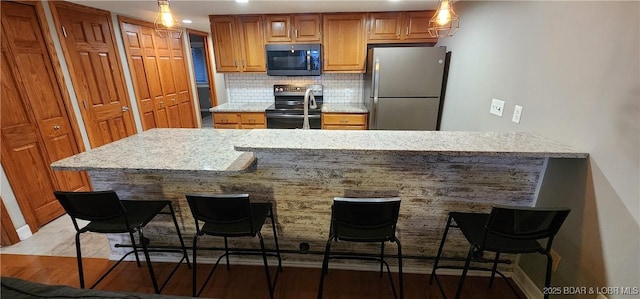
x: 300, y: 171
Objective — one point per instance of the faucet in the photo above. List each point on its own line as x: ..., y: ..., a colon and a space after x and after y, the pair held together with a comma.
x: 308, y: 93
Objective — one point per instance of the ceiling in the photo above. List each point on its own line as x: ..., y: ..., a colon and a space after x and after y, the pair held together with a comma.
x: 199, y: 10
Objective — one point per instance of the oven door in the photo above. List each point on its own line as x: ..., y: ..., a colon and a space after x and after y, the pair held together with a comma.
x: 291, y: 121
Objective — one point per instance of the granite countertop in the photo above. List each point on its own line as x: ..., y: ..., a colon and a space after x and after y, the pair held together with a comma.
x: 242, y: 107
x: 167, y: 150
x: 453, y: 143
x: 230, y: 151
x: 348, y: 107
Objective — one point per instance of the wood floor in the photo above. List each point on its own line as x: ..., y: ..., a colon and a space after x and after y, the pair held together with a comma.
x: 241, y: 281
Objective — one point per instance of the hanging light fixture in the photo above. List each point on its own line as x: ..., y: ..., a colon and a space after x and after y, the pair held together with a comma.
x: 445, y: 22
x: 166, y: 24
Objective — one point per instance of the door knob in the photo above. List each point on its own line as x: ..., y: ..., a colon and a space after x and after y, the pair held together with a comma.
x: 56, y: 127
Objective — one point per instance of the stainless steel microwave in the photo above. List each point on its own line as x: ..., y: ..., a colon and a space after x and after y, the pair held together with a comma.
x: 294, y: 60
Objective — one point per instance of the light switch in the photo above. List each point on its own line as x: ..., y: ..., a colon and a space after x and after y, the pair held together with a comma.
x: 517, y: 113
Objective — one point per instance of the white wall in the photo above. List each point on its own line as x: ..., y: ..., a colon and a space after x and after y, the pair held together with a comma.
x: 574, y: 67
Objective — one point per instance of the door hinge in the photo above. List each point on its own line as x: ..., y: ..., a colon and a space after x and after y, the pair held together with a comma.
x: 64, y: 31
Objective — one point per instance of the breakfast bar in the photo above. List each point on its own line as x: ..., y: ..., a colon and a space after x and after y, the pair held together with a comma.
x: 300, y: 171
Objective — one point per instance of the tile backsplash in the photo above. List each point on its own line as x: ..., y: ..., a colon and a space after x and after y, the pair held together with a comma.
x: 338, y: 88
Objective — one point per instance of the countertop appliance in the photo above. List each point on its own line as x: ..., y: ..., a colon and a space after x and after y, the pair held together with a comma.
x: 294, y: 60
x: 288, y: 110
x: 403, y: 87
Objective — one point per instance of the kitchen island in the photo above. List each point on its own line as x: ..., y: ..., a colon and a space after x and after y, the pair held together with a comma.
x: 300, y: 171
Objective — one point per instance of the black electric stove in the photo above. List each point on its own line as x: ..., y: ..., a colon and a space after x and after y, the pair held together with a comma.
x: 288, y: 110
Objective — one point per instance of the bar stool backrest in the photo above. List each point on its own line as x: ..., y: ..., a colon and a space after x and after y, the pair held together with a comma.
x: 523, y: 223
x: 91, y: 206
x: 224, y: 209
x: 365, y: 213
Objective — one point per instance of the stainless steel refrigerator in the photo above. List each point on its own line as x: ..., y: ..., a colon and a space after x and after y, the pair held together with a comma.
x: 403, y: 87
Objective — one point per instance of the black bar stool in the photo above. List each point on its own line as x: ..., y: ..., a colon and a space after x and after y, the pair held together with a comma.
x: 364, y: 220
x: 505, y: 230
x: 230, y: 216
x: 107, y: 214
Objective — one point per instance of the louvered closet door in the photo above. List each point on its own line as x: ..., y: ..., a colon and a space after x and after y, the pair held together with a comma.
x: 160, y: 76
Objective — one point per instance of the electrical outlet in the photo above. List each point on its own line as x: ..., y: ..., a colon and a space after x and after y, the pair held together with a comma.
x: 497, y: 106
x: 517, y: 113
x: 556, y: 260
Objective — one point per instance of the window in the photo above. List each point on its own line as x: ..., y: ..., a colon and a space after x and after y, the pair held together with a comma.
x: 199, y: 64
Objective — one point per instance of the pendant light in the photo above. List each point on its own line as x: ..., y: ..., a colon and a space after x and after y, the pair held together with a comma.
x: 166, y: 24
x: 445, y: 21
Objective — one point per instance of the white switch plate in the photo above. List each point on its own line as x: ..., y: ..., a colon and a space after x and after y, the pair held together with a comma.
x: 517, y: 113
x: 497, y: 106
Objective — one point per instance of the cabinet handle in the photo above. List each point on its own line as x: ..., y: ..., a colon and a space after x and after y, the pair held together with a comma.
x: 289, y: 33
x: 407, y: 31
x: 56, y: 127
x: 296, y: 33
x: 235, y: 63
x: 398, y: 31
x: 243, y: 65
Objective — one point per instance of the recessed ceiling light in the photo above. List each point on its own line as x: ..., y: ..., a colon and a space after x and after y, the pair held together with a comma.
x: 242, y: 1
x: 187, y: 21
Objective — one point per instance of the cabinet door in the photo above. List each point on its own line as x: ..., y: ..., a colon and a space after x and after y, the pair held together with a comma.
x: 278, y: 28
x: 416, y: 26
x: 252, y: 44
x: 307, y: 28
x: 225, y: 45
x: 344, y: 43
x: 385, y: 26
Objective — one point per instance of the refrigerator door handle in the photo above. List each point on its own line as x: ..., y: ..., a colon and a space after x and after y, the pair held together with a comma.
x: 376, y: 89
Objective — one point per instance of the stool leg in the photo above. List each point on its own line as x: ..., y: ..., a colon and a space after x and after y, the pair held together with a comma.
x: 464, y: 271
x: 195, y: 256
x: 325, y: 267
x: 547, y: 280
x: 435, y: 263
x: 400, y: 278
x: 175, y: 221
x: 275, y: 237
x: 79, y: 260
x: 146, y: 256
x: 266, y: 265
x: 381, y: 257
x: 493, y: 270
x: 226, y: 252
x: 135, y: 249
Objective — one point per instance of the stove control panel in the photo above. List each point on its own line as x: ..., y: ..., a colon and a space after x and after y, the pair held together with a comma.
x: 296, y: 90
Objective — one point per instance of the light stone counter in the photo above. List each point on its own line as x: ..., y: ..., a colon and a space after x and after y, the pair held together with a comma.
x: 300, y: 171
x: 166, y: 151
x: 242, y: 107
x: 450, y: 143
x: 348, y: 107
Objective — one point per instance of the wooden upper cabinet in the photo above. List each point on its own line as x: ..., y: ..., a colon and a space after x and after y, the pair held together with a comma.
x: 225, y: 44
x: 238, y: 43
x: 344, y: 43
x: 400, y: 27
x: 251, y: 33
x: 303, y: 28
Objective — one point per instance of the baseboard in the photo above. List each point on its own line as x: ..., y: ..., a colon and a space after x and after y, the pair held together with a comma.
x: 528, y: 287
x: 24, y: 232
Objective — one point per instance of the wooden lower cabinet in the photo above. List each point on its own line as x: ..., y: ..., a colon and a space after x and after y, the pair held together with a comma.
x: 239, y: 120
x: 344, y: 121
